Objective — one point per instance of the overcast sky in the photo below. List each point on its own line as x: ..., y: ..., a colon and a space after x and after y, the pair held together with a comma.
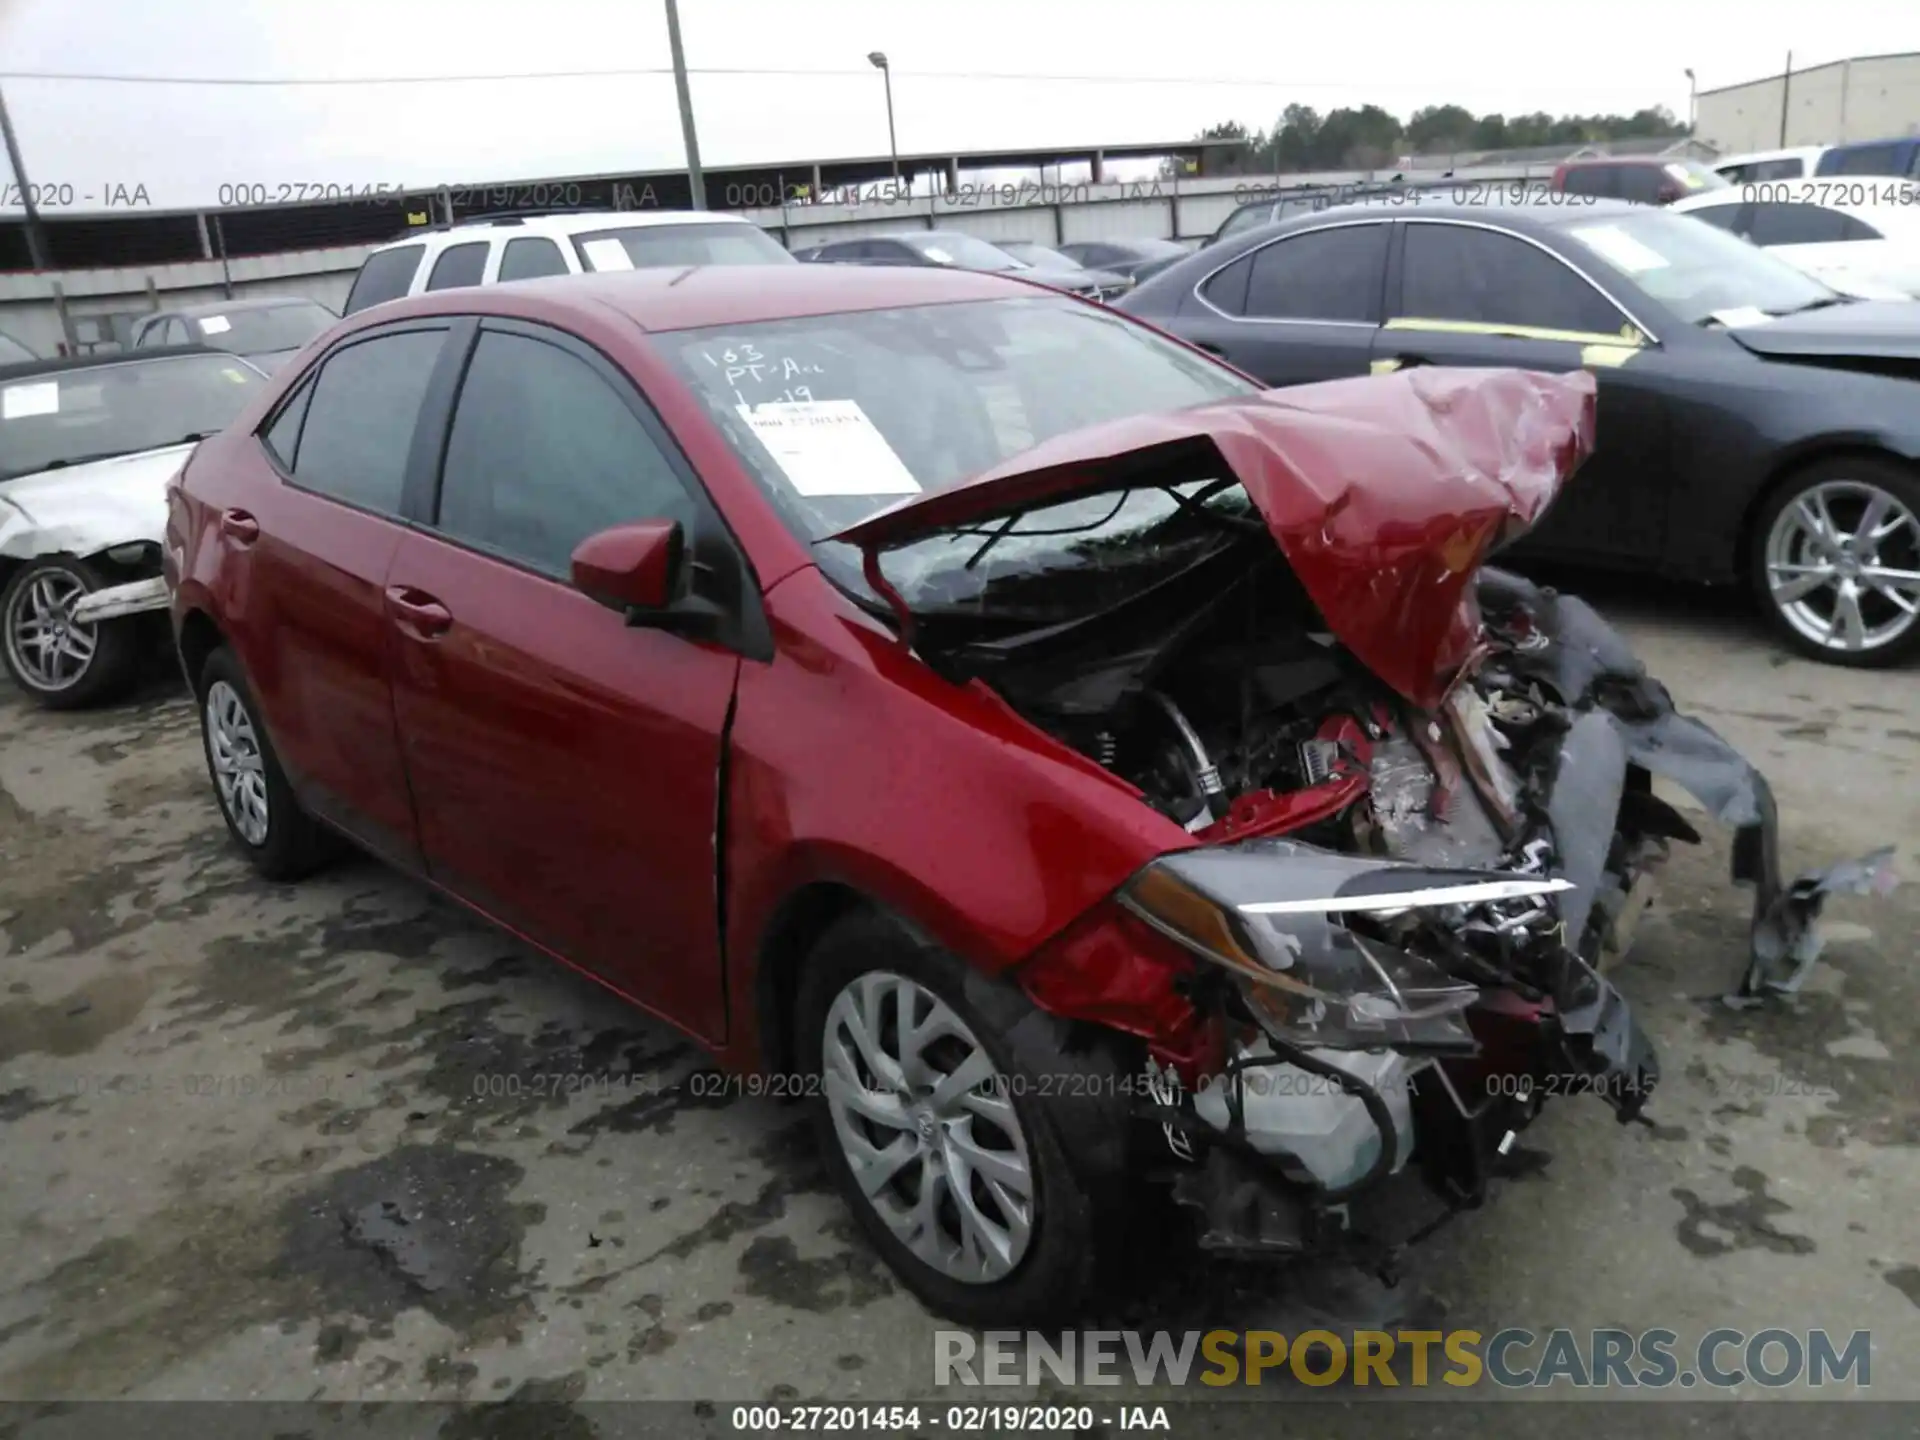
x: 1145, y: 73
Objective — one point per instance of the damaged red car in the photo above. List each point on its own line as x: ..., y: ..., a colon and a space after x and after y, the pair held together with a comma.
x: 1067, y: 768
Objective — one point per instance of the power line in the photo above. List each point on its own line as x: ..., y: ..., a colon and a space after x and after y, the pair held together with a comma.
x: 1262, y: 83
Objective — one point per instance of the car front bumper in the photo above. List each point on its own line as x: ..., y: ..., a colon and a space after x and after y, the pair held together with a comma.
x: 115, y: 601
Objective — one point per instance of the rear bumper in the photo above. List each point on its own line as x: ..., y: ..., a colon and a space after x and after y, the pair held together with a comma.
x: 115, y: 601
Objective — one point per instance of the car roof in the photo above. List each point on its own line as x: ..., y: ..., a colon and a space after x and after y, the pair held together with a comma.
x: 26, y: 370
x: 1792, y: 152
x: 660, y: 298
x: 561, y: 226
x: 1538, y: 212
x: 229, y: 307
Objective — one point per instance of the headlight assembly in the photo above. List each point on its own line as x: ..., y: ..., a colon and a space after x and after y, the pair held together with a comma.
x: 1275, y: 914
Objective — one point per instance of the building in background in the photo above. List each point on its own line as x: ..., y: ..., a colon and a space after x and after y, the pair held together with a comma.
x: 1874, y: 97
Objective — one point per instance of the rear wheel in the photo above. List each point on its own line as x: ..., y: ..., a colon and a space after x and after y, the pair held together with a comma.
x: 280, y: 839
x: 1836, y: 561
x: 940, y: 1142
x: 61, y: 663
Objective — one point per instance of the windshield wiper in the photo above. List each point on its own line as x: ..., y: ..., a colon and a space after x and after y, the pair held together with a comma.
x: 65, y: 461
x: 1820, y: 303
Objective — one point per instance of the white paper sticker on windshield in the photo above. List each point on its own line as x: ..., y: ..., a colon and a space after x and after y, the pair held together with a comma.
x: 937, y: 255
x: 215, y: 325
x: 829, y: 447
x: 1617, y: 247
x: 1741, y: 315
x: 19, y: 401
x: 605, y: 254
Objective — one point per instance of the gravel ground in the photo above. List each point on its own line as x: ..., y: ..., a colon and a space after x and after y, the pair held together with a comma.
x: 214, y: 1093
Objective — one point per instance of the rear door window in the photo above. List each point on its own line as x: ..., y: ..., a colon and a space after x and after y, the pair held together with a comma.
x: 459, y: 265
x: 1333, y: 274
x: 385, y: 275
x: 359, y: 424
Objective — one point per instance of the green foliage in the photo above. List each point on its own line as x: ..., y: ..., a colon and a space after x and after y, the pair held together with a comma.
x: 1370, y: 138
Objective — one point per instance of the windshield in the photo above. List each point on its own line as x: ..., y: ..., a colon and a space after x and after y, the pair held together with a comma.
x: 1695, y: 270
x: 637, y: 247
x: 839, y: 416
x: 72, y: 416
x: 12, y: 352
x: 254, y: 332
x: 951, y: 248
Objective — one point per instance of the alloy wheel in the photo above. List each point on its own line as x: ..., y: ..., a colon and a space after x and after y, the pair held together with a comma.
x: 48, y: 649
x: 1843, y: 566
x: 239, y: 769
x: 928, y: 1128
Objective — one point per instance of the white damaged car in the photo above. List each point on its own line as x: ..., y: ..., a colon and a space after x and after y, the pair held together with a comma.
x: 86, y: 449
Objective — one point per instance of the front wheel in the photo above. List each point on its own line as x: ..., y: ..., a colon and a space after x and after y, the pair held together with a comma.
x: 942, y: 1144
x: 1836, y: 562
x: 60, y: 662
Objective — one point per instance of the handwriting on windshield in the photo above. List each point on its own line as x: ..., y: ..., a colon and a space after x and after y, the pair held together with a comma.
x: 759, y: 378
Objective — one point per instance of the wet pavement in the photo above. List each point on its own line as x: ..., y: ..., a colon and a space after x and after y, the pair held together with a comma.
x: 339, y: 1141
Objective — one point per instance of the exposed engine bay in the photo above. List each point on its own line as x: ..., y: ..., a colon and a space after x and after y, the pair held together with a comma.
x: 1417, y: 791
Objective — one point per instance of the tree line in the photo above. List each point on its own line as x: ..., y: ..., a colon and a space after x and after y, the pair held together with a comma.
x: 1369, y: 137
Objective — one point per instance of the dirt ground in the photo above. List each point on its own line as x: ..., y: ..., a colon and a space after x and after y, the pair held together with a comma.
x: 303, y: 1143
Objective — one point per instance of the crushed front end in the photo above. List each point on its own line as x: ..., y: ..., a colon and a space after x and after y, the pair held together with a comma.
x: 1414, y: 795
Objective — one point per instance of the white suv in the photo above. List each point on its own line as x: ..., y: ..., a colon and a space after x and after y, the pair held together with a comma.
x: 486, y: 251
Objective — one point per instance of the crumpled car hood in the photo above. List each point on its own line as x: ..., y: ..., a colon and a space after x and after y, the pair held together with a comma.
x: 83, y: 509
x: 1385, y: 493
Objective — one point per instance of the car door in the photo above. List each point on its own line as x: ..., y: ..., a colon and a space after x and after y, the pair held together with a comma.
x: 307, y: 572
x: 564, y: 764
x: 1300, y: 308
x: 1466, y: 293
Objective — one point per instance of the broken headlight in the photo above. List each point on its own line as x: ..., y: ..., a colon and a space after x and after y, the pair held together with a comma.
x: 1319, y: 941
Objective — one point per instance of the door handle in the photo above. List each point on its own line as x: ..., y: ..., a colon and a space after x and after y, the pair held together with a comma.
x: 239, y: 527
x: 418, y: 612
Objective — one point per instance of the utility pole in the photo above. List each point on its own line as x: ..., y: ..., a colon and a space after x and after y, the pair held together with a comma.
x: 1786, y: 91
x: 878, y: 60
x: 36, y: 242
x: 696, y: 182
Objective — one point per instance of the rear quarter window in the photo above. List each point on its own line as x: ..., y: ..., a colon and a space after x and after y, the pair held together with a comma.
x: 384, y: 275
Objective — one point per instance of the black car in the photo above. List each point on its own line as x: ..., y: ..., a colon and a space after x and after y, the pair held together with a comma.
x: 1754, y: 425
x: 1276, y: 204
x: 1125, y: 257
x: 266, y: 331
x: 956, y: 250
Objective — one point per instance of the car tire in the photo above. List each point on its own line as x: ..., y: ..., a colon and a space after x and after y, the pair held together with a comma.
x: 279, y: 838
x: 1056, y: 1267
x: 31, y: 603
x: 1834, y: 526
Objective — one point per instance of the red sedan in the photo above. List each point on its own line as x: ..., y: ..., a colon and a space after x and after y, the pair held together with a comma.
x: 1062, y: 765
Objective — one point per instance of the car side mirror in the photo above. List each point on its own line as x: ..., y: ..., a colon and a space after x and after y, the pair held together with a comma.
x: 636, y: 568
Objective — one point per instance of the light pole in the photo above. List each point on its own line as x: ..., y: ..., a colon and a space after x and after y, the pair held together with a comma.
x: 696, y: 183
x: 878, y: 59
x: 1693, y: 102
x: 36, y: 242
